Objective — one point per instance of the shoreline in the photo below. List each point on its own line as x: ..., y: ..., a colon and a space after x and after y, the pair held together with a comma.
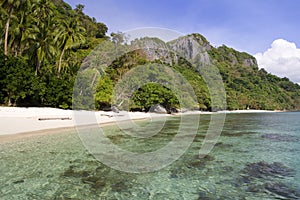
x: 17, y: 122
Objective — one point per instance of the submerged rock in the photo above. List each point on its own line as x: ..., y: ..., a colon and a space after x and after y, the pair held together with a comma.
x: 283, y: 190
x: 119, y: 187
x: 70, y: 172
x: 263, y: 170
x: 222, y: 145
x: 268, y: 174
x: 280, y: 137
x: 200, y: 162
x: 236, y: 134
x: 19, y: 181
x: 95, y: 182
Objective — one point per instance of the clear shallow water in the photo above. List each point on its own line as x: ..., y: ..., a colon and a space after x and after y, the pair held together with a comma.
x: 256, y: 157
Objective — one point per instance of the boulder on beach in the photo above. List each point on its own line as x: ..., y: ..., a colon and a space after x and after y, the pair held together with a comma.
x: 115, y: 109
x: 158, y: 109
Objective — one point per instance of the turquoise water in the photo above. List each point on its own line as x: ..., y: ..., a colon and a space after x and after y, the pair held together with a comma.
x: 256, y: 157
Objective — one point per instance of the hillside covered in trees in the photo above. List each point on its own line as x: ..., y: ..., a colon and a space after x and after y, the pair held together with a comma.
x: 44, y: 43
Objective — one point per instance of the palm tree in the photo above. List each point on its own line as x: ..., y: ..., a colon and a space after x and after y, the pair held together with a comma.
x: 21, y: 29
x: 42, y: 32
x: 9, y: 6
x: 42, y: 46
x: 2, y: 16
x: 70, y: 34
x: 44, y: 10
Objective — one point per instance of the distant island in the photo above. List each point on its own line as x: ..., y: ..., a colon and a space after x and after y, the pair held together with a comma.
x: 44, y: 43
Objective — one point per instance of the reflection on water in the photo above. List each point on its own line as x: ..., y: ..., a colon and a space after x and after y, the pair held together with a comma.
x: 256, y: 157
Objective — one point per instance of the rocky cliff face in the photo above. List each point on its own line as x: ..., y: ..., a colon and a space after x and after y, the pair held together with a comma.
x: 230, y: 55
x: 154, y: 49
x: 250, y: 62
x: 194, y: 48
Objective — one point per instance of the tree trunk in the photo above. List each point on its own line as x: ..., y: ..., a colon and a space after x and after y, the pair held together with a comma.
x: 6, y: 33
x: 9, y: 100
x: 38, y: 67
x: 60, y: 62
x: 15, y: 102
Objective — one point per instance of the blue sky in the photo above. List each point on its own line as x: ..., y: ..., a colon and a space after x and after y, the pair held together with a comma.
x: 246, y: 25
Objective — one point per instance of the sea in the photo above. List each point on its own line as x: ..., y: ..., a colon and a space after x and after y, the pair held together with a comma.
x: 255, y: 156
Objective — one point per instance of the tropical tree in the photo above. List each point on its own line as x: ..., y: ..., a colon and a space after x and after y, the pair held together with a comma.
x: 104, y: 92
x: 20, y: 29
x: 16, y: 79
x: 42, y: 47
x: 2, y: 25
x: 42, y: 30
x: 70, y: 34
x: 8, y: 6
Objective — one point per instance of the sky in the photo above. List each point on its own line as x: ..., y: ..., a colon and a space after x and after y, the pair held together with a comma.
x: 266, y: 29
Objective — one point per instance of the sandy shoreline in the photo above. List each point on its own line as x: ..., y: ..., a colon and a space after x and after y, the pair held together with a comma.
x: 15, y: 121
x: 18, y: 122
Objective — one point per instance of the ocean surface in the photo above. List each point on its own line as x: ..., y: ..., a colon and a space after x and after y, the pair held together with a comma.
x: 257, y: 156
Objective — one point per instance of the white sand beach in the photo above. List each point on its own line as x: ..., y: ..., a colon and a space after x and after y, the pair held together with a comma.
x: 15, y: 120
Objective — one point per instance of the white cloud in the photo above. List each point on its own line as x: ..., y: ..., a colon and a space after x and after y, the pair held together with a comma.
x: 282, y: 59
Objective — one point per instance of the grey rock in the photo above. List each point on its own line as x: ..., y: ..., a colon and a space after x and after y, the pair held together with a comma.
x: 193, y: 48
x: 115, y: 109
x: 264, y: 170
x: 282, y: 190
x: 250, y: 62
x: 158, y: 109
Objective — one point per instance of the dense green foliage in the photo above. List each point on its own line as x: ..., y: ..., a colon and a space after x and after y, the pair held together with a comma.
x: 44, y: 43
x: 151, y: 94
x: 248, y: 87
x: 103, y: 95
x: 15, y: 79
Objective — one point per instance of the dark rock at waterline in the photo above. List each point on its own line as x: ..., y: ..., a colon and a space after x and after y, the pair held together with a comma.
x: 283, y: 190
x: 280, y: 137
x: 264, y: 170
x: 173, y: 110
